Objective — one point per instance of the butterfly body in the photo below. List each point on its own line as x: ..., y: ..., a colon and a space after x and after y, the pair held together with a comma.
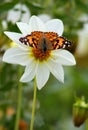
x: 43, y: 44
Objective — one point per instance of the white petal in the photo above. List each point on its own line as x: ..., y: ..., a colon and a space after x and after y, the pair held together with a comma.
x: 44, y: 17
x: 55, y: 25
x: 16, y: 56
x: 30, y: 72
x: 42, y: 75
x: 64, y: 57
x: 24, y: 28
x: 56, y: 69
x: 36, y: 24
x: 15, y: 37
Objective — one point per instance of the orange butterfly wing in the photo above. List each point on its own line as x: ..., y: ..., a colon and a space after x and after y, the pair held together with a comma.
x: 57, y: 41
x: 50, y: 40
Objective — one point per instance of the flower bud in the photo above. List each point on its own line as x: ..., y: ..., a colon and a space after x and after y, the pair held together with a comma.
x: 79, y: 112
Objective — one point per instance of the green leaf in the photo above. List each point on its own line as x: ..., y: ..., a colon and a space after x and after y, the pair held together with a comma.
x: 7, y: 6
x: 34, y: 8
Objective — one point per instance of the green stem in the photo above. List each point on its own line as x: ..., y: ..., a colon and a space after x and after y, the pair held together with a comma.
x: 19, y: 102
x: 86, y: 124
x: 34, y: 105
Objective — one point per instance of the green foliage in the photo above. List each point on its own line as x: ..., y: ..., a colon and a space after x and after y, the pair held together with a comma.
x: 34, y: 8
x: 7, y: 6
x: 7, y: 80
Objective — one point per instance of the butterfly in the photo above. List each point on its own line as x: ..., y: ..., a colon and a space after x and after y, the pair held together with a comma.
x: 45, y: 41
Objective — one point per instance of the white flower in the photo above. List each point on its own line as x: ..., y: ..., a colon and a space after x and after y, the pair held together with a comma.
x: 19, y: 12
x: 44, y: 17
x: 82, y: 48
x: 38, y: 64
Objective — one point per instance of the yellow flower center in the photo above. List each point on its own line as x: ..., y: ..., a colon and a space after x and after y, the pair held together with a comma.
x: 41, y: 54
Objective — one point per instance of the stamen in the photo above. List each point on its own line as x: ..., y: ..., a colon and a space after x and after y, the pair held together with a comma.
x: 40, y: 54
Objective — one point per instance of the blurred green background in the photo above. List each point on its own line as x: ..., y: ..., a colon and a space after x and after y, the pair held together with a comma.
x: 55, y: 101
